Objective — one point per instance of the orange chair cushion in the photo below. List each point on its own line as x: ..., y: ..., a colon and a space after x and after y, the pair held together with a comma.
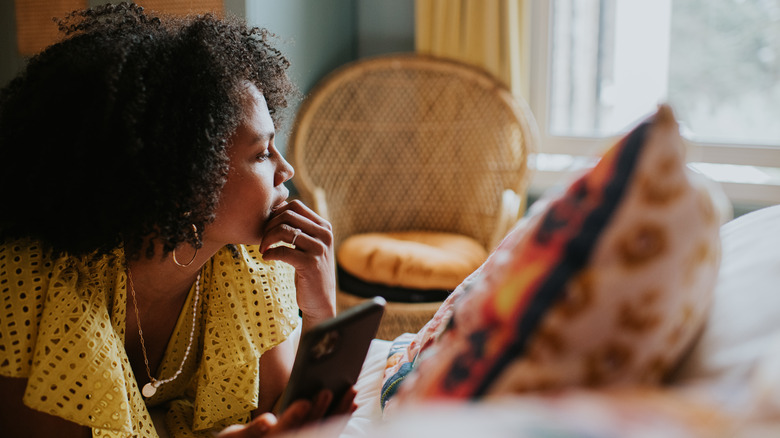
x: 411, y: 259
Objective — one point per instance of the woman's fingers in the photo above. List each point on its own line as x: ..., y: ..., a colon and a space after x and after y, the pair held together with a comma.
x: 296, y: 224
x: 295, y: 239
x: 258, y: 427
x: 295, y: 416
x: 298, y: 414
x: 312, y: 257
x: 301, y: 209
x: 297, y: 215
x: 347, y: 403
x: 320, y: 405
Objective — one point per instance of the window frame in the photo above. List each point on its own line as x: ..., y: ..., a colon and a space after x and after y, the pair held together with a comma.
x: 580, y: 149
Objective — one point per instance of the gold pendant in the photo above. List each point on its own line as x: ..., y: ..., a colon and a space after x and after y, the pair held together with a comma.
x: 149, y: 389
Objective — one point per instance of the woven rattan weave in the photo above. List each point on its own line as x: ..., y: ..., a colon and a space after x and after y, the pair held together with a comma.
x: 408, y: 142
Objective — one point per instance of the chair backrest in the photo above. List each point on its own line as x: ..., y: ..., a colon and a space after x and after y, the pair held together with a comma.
x: 408, y: 142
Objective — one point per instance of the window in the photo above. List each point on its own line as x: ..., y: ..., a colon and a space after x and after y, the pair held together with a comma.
x: 599, y: 66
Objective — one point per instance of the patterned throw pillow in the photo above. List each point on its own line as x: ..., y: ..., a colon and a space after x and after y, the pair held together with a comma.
x: 608, y: 285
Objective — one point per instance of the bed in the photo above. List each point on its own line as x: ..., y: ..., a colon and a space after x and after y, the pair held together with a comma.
x: 728, y: 384
x: 626, y: 305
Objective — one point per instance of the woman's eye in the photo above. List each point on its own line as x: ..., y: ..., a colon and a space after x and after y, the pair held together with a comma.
x: 264, y: 155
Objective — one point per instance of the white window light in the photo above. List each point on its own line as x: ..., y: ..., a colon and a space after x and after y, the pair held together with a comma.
x: 600, y: 66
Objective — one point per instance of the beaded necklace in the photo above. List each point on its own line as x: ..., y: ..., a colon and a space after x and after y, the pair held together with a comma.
x: 151, y: 388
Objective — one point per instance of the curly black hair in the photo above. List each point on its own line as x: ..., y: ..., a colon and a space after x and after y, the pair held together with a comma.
x: 119, y: 132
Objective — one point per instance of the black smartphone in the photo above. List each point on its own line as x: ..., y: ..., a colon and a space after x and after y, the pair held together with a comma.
x: 331, y: 354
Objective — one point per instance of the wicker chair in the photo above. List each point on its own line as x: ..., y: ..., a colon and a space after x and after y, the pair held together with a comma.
x: 408, y: 142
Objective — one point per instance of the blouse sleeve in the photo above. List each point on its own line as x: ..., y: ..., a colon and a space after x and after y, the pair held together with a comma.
x: 24, y: 276
x: 250, y: 308
x: 57, y: 333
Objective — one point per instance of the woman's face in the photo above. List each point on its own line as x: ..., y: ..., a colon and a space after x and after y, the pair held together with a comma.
x: 254, y: 182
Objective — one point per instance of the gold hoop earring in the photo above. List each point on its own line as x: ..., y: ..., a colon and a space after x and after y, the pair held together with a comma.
x: 173, y: 253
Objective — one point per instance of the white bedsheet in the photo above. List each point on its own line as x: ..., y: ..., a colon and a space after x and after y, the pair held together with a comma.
x: 368, y: 387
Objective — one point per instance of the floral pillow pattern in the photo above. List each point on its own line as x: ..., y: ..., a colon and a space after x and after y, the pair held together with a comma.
x: 608, y: 285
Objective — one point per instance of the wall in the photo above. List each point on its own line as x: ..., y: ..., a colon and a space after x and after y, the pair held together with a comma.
x: 320, y: 35
x: 384, y: 26
x: 317, y: 36
x: 10, y: 61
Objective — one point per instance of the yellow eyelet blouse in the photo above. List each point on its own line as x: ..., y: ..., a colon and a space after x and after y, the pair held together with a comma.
x: 62, y: 326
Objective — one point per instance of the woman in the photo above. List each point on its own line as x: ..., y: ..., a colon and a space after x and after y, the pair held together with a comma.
x: 140, y: 258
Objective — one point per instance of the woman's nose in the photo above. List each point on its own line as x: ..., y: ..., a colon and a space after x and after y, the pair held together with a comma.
x: 284, y: 171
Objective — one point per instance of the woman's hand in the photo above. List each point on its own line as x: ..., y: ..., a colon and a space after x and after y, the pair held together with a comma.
x: 312, y: 257
x: 298, y: 414
x: 268, y: 424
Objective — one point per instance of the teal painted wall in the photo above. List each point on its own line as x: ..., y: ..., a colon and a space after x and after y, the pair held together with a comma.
x: 384, y: 26
x: 318, y: 36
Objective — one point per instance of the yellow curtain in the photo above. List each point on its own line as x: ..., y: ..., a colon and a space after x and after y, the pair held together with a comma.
x: 492, y: 34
